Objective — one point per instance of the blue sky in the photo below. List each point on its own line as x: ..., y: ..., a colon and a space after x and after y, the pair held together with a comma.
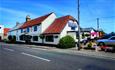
x: 12, y: 11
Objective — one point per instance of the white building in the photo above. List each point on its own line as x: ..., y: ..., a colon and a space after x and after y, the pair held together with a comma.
x: 46, y: 29
x: 89, y: 33
x: 1, y: 32
x: 15, y: 31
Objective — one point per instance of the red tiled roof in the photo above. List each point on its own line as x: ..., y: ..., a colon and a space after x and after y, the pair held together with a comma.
x: 35, y: 21
x: 6, y: 31
x: 58, y: 25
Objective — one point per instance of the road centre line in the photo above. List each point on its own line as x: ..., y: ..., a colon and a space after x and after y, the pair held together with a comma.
x: 35, y: 56
x: 39, y: 48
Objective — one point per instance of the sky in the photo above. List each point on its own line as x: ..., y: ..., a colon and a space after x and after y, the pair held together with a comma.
x: 12, y: 11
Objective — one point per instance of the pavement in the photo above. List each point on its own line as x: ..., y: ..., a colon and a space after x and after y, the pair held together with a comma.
x: 32, y: 57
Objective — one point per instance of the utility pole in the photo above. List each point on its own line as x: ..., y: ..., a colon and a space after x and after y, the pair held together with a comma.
x: 98, y: 26
x: 78, y: 24
x: 97, y: 23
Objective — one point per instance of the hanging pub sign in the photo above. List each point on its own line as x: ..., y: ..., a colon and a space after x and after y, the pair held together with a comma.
x: 72, y: 25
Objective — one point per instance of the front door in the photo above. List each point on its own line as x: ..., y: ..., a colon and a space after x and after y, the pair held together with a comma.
x: 0, y: 38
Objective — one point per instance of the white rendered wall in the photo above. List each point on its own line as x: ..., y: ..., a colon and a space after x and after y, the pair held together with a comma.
x: 48, y: 21
x: 1, y: 31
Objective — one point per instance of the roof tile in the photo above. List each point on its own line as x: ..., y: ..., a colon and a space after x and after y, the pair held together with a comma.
x: 36, y: 21
x: 58, y: 25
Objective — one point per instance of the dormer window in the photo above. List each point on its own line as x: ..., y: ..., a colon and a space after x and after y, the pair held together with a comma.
x: 72, y: 25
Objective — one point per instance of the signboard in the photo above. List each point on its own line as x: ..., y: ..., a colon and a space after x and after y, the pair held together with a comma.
x: 72, y: 25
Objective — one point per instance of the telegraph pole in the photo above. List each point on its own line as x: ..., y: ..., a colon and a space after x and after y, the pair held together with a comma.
x: 97, y: 23
x: 98, y: 26
x: 78, y: 24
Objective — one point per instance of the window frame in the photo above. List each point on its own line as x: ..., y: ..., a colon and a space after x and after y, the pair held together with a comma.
x: 21, y: 30
x: 35, y: 38
x: 27, y: 29
x: 35, y: 28
x: 49, y: 38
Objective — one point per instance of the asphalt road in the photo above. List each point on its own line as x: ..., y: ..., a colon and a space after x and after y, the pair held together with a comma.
x: 23, y: 58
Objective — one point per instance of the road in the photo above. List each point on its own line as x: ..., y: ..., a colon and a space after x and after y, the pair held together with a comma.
x: 23, y: 58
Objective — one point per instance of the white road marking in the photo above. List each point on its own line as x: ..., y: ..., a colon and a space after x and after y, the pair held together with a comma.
x: 35, y: 56
x: 79, y: 69
x: 39, y: 48
x: 9, y: 49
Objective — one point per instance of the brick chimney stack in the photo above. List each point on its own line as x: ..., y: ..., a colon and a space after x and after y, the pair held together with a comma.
x: 17, y: 23
x: 28, y: 18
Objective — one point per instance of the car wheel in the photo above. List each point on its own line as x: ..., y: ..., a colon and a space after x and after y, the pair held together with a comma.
x: 101, y: 44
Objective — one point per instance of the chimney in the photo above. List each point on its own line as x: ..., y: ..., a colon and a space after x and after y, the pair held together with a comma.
x: 17, y: 23
x: 28, y: 18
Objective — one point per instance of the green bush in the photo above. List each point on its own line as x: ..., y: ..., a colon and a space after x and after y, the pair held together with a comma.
x: 5, y: 40
x: 66, y: 42
x: 9, y: 37
x: 89, y: 45
x: 12, y: 38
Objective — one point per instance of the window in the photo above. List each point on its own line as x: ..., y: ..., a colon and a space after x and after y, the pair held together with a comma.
x: 22, y: 37
x: 28, y: 29
x: 35, y: 38
x: 56, y: 36
x: 21, y: 30
x: 35, y: 28
x: 73, y: 28
x: 49, y: 38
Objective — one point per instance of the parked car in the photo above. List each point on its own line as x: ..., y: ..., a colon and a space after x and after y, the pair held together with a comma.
x: 107, y: 44
x: 109, y: 41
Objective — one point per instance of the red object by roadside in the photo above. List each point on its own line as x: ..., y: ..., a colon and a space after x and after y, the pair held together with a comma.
x: 104, y: 47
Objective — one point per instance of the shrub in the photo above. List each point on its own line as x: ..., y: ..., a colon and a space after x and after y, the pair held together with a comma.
x: 5, y: 40
x: 11, y: 38
x: 66, y: 42
x: 89, y: 45
x: 14, y: 39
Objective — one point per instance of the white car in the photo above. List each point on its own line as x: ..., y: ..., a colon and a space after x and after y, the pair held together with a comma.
x: 109, y: 41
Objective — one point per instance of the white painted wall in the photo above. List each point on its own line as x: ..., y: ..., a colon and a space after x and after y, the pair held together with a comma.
x: 48, y: 21
x: 32, y: 32
x: 16, y: 33
x: 1, y: 31
x: 40, y: 28
x: 67, y: 28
